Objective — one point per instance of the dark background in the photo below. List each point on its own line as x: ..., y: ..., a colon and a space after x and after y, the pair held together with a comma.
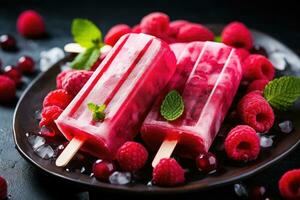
x: 279, y: 20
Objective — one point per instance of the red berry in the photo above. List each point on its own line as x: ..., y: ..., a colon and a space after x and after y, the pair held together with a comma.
x: 132, y: 156
x: 13, y: 73
x: 289, y: 185
x: 26, y: 64
x: 242, y: 53
x: 59, y: 97
x: 168, y: 173
x: 7, y: 89
x: 257, y: 193
x: 49, y: 114
x: 75, y: 81
x: 31, y: 24
x: 259, y: 84
x: 103, y: 169
x: 115, y: 33
x: 61, y: 77
x: 242, y: 144
x: 3, y: 188
x: 136, y: 29
x: 258, y: 67
x: 194, y: 32
x: 8, y: 43
x: 206, y: 162
x: 156, y: 24
x: 236, y: 34
x: 175, y: 26
x: 256, y: 112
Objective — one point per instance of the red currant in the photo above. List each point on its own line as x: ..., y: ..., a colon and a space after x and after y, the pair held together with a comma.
x: 13, y: 73
x: 103, y: 169
x: 8, y: 42
x: 26, y: 64
x: 206, y: 162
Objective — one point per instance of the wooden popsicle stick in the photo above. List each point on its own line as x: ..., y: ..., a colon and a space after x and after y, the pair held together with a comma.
x: 166, y: 149
x: 73, y: 48
x: 69, y: 152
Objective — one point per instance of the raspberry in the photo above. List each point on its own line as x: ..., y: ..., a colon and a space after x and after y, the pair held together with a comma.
x: 156, y: 24
x: 257, y: 85
x: 236, y: 34
x: 136, y: 29
x: 7, y: 89
x: 194, y: 32
x: 75, y: 81
x: 168, y: 173
x: 132, y: 156
x: 59, y: 98
x: 3, y: 188
x: 103, y: 169
x: 115, y: 33
x: 289, y: 185
x: 242, y: 143
x: 256, y: 112
x: 242, y: 53
x: 258, y: 67
x: 175, y: 26
x: 61, y: 77
x: 49, y: 114
x: 30, y: 24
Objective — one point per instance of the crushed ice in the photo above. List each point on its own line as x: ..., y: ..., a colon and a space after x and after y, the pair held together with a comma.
x: 286, y: 126
x: 266, y: 141
x: 38, y: 145
x: 240, y: 190
x: 120, y: 178
x: 36, y: 141
x: 278, y: 59
x: 50, y: 57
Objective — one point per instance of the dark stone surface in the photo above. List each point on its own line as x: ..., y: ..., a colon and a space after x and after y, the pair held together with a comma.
x: 25, y: 181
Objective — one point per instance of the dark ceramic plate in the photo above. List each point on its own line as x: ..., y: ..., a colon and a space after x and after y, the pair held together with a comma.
x: 24, y: 121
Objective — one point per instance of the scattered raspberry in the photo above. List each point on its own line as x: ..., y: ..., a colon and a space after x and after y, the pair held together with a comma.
x: 156, y: 24
x: 75, y: 81
x: 257, y: 85
x: 136, y: 29
x: 194, y: 32
x: 242, y: 53
x: 49, y: 114
x: 175, y: 26
x: 168, y: 173
x: 59, y: 97
x: 61, y: 77
x: 7, y: 89
x: 289, y: 185
x: 13, y: 73
x: 236, y: 34
x: 132, y: 156
x: 30, y: 24
x: 242, y: 144
x: 3, y: 188
x: 115, y: 33
x: 258, y: 67
x: 103, y: 169
x: 256, y: 112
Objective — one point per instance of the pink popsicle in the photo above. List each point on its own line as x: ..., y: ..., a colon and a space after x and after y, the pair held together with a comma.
x: 207, y: 76
x: 127, y: 82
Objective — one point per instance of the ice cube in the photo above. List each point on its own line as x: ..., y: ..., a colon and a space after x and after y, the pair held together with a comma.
x: 278, y: 60
x: 286, y: 126
x: 37, y: 115
x: 120, y: 178
x: 50, y: 57
x: 45, y: 151
x: 266, y: 142
x: 240, y: 190
x: 36, y: 141
x: 149, y: 184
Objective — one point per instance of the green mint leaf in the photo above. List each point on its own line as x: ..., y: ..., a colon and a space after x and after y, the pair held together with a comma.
x: 98, y: 111
x: 86, y: 59
x: 172, y: 106
x: 282, y: 92
x: 218, y: 39
x: 86, y: 33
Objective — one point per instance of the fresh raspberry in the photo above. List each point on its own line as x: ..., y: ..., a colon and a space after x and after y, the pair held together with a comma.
x: 136, y: 29
x: 156, y: 24
x: 194, y: 32
x: 242, y: 143
x: 103, y: 169
x: 258, y: 67
x: 3, y: 188
x: 75, y: 81
x: 256, y: 112
x: 168, y: 173
x: 13, y: 73
x: 289, y: 185
x: 132, y: 156
x: 259, y: 84
x: 49, y: 114
x: 7, y: 89
x: 242, y: 53
x: 59, y: 97
x: 236, y: 34
x: 31, y: 24
x: 115, y: 33
x: 61, y: 77
x: 175, y: 26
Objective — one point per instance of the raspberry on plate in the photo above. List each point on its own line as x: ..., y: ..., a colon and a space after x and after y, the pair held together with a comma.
x: 259, y: 84
x: 175, y: 26
x: 242, y: 143
x: 3, y: 188
x: 132, y: 156
x: 7, y: 89
x: 59, y: 97
x: 136, y: 29
x: 258, y: 67
x: 115, y: 33
x: 49, y: 114
x: 61, y: 77
x: 242, y: 53
x: 31, y: 24
x: 256, y: 112
x: 194, y: 32
x: 168, y: 173
x: 236, y: 34
x: 156, y: 24
x: 289, y: 185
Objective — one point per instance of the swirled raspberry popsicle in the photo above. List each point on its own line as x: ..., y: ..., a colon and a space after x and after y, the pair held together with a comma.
x: 207, y: 77
x: 110, y: 108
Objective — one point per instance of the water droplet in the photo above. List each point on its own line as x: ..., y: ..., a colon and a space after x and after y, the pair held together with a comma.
x: 149, y: 184
x: 286, y: 126
x: 266, y: 142
x: 120, y: 178
x: 67, y: 170
x: 92, y: 174
x: 27, y: 134
x: 82, y: 170
x: 45, y: 151
x: 36, y: 141
x: 240, y: 190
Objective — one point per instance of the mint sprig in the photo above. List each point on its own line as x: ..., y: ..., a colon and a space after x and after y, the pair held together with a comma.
x: 86, y: 59
x: 282, y: 92
x: 172, y: 106
x: 98, y: 111
x: 218, y: 39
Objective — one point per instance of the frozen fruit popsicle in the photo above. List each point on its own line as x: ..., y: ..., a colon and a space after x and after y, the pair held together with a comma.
x: 207, y: 76
x: 127, y: 82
